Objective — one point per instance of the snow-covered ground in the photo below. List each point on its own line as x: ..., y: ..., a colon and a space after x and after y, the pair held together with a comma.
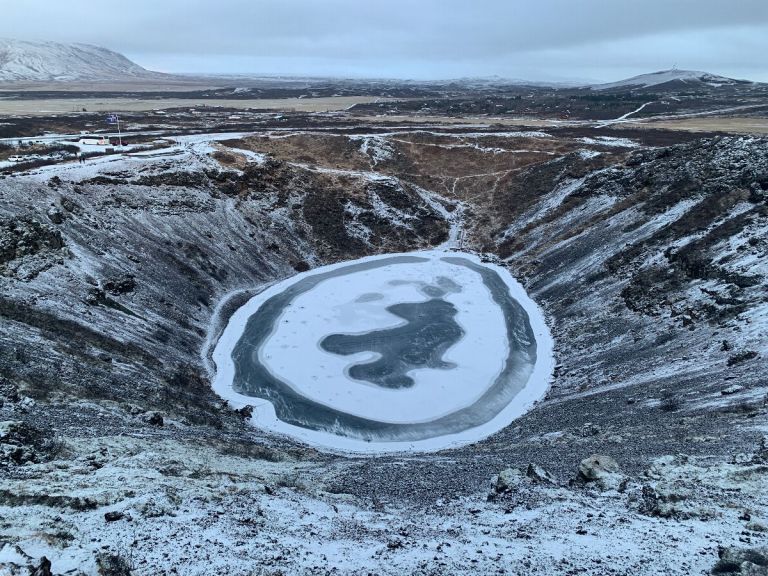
x: 610, y: 141
x: 158, y: 507
x: 664, y: 76
x: 621, y: 119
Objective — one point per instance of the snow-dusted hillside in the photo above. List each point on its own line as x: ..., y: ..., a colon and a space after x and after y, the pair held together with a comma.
x: 647, y: 456
x: 22, y: 61
x: 691, y: 77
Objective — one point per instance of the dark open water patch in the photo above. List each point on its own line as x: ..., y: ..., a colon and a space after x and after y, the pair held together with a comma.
x: 430, y: 330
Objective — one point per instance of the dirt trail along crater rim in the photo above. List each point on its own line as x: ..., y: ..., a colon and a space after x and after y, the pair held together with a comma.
x: 402, y: 352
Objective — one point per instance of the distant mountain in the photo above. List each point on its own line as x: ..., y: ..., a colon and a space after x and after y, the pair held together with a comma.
x: 22, y: 61
x: 501, y: 81
x: 672, y: 79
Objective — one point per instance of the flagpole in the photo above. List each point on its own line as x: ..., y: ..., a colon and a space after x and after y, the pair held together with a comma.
x: 115, y: 119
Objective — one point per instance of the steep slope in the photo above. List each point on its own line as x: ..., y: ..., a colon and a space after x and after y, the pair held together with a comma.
x: 22, y: 61
x: 153, y: 246
x: 662, y: 261
x: 672, y: 79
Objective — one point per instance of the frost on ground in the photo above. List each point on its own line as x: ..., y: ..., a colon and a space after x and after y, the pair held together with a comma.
x: 650, y: 266
x: 157, y: 506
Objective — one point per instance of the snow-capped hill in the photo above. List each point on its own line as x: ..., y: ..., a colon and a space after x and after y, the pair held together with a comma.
x: 22, y: 61
x: 672, y: 77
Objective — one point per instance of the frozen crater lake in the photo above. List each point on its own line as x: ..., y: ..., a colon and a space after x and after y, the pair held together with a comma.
x: 404, y: 352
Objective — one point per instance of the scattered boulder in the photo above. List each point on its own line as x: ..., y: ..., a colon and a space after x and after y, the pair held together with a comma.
x: 56, y: 216
x: 590, y: 429
x: 512, y: 479
x: 113, y: 565
x: 26, y: 404
x: 95, y: 297
x: 120, y: 284
x: 155, y: 419
x: 68, y: 204
x: 671, y: 500
x: 671, y: 492
x: 601, y: 470
x: 596, y: 466
x: 735, y: 389
x: 507, y: 480
x: 537, y: 474
x: 660, y: 466
x: 114, y: 516
x: 154, y: 509
x: 746, y: 561
x: 21, y: 444
x: 395, y: 544
x: 649, y: 501
x: 741, y: 357
x: 43, y: 568
x: 245, y: 412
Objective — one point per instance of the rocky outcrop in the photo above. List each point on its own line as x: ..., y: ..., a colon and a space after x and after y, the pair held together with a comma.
x: 28, y: 246
x: 21, y: 443
x: 537, y: 474
x: 746, y: 561
x: 507, y: 480
x: 600, y: 470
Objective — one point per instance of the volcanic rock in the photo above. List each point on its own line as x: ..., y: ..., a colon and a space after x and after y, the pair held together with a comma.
x: 602, y: 470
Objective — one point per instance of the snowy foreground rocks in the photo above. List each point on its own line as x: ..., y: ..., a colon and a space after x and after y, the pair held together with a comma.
x: 156, y: 506
x: 598, y: 471
x: 750, y: 561
x: 21, y: 443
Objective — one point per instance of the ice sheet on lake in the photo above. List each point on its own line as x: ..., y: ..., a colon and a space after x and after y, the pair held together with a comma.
x: 417, y: 351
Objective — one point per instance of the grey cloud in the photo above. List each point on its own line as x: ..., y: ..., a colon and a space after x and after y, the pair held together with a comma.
x: 424, y: 38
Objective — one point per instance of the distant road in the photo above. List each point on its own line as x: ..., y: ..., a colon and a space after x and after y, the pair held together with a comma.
x: 70, y: 105
x: 701, y: 122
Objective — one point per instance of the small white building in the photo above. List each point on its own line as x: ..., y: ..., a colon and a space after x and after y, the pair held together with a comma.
x: 94, y: 141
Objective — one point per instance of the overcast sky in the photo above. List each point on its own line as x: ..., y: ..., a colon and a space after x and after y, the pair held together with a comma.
x: 426, y: 39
